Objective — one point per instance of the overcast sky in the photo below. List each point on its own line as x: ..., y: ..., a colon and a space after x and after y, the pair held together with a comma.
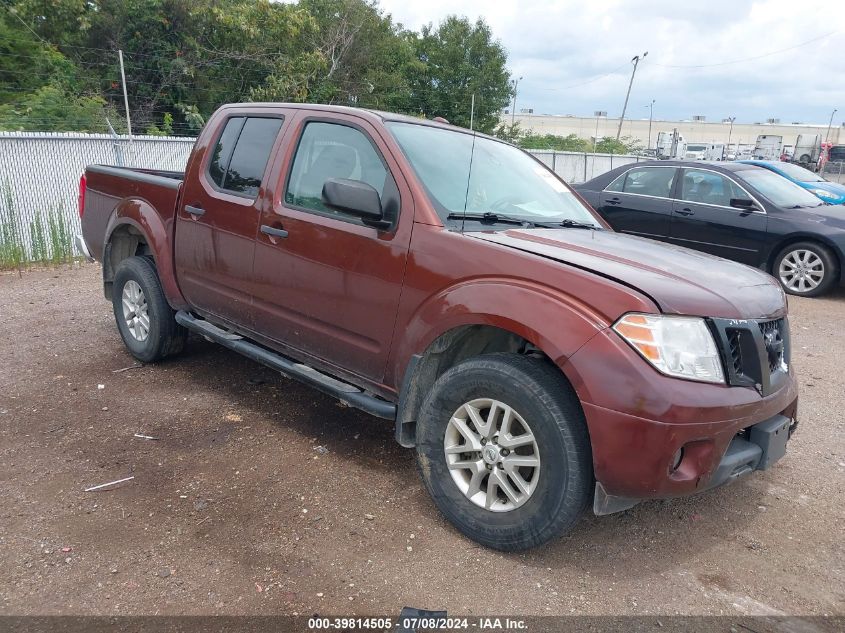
x: 574, y: 55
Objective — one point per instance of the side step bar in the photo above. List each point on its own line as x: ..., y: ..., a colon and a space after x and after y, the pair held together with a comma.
x: 345, y: 392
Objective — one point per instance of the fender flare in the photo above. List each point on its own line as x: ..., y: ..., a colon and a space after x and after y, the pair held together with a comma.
x: 523, y: 308
x: 146, y: 220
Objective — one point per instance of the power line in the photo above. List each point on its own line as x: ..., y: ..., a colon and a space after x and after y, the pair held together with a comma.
x: 749, y: 59
x: 589, y: 81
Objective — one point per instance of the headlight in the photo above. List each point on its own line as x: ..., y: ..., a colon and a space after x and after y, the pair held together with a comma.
x: 821, y: 193
x: 677, y: 346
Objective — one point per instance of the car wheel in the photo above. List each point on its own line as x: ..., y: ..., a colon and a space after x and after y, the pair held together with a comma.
x: 146, y: 322
x: 503, y: 449
x: 806, y: 269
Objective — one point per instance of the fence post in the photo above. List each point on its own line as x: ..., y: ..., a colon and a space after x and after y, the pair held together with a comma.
x: 585, y: 167
x: 554, y: 161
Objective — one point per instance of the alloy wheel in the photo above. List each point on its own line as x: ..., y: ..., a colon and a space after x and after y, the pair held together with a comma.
x: 492, y: 455
x: 801, y: 270
x: 135, y: 311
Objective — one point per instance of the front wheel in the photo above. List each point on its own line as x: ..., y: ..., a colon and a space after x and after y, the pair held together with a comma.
x: 503, y: 449
x: 146, y: 322
x: 806, y: 269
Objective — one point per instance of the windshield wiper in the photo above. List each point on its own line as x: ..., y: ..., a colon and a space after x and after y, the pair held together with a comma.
x: 490, y: 217
x: 498, y: 218
x: 574, y: 224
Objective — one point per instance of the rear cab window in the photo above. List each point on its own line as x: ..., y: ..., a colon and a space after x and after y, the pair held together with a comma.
x: 241, y: 154
x: 646, y: 181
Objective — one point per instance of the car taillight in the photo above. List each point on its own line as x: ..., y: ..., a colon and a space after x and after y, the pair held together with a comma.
x: 83, y: 183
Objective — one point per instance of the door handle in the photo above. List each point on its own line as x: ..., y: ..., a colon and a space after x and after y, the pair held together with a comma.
x: 614, y: 201
x: 269, y: 230
x: 194, y: 211
x: 685, y: 211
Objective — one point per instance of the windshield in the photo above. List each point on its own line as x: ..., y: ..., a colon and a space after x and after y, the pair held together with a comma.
x: 799, y: 173
x: 696, y: 148
x: 490, y: 177
x: 782, y: 192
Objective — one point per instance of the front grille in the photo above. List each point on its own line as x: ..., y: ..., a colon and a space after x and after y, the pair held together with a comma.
x: 756, y: 353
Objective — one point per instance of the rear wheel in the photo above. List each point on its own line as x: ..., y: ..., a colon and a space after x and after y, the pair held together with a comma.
x: 806, y: 269
x: 502, y: 448
x: 146, y: 322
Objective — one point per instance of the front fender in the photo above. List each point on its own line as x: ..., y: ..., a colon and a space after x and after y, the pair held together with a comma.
x: 556, y: 323
x: 141, y: 215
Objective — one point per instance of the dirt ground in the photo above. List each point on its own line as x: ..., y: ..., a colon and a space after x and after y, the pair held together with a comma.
x: 261, y: 496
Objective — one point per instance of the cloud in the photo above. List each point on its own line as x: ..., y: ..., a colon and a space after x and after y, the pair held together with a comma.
x: 575, y: 56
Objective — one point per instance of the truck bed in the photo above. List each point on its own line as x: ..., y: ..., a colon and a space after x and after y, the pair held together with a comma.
x: 108, y: 187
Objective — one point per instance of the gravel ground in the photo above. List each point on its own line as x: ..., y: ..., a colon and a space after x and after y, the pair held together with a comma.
x: 261, y: 496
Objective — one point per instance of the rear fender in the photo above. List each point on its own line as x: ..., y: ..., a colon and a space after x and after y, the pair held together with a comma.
x: 148, y: 224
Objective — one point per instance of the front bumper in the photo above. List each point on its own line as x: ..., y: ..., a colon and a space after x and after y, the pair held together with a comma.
x: 756, y: 448
x: 638, y: 421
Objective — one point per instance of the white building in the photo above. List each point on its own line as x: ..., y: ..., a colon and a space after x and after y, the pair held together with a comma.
x: 693, y: 131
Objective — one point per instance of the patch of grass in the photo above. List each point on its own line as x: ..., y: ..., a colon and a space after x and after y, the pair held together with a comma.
x: 38, y: 240
x: 61, y: 241
x: 12, y: 249
x: 50, y: 242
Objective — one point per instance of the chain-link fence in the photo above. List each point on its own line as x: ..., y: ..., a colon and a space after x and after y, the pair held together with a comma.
x: 834, y: 171
x: 39, y: 179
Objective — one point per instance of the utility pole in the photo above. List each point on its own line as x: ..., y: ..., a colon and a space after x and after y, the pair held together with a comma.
x: 472, y: 112
x: 829, y: 125
x: 650, y: 107
x: 513, y: 112
x: 125, y: 97
x: 635, y: 61
x: 730, y: 131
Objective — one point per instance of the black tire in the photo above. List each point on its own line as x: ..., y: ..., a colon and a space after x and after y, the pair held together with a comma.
x: 823, y: 253
x: 165, y: 337
x: 538, y: 392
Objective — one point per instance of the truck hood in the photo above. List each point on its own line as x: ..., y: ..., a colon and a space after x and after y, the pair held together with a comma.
x: 678, y: 280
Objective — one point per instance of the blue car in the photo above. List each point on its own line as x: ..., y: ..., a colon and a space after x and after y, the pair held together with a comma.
x: 830, y: 192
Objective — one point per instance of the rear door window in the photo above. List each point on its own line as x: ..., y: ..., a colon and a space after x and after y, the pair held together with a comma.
x: 646, y: 181
x: 241, y: 154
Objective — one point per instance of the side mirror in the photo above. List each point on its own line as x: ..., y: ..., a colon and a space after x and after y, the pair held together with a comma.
x: 355, y: 198
x: 743, y: 203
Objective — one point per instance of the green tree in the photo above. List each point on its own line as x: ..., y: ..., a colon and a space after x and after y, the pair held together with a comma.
x: 51, y: 108
x: 570, y: 143
x: 365, y: 56
x: 625, y: 145
x: 460, y: 59
x: 512, y: 133
x: 184, y: 58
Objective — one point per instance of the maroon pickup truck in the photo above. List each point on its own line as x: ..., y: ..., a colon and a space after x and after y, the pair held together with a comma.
x: 450, y: 282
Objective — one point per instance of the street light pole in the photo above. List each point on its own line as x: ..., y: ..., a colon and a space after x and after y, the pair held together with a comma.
x: 513, y: 112
x: 635, y: 61
x: 829, y: 125
x: 730, y: 131
x: 650, y: 107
